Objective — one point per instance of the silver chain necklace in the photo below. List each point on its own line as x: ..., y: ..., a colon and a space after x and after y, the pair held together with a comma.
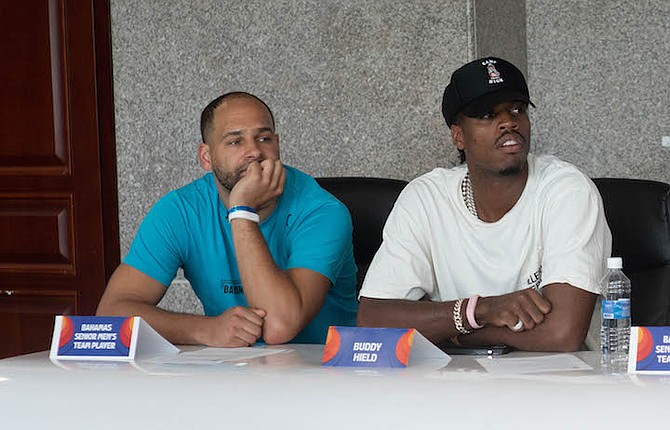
x: 468, y: 195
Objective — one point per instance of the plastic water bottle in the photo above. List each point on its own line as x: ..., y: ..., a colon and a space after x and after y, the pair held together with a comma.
x: 615, y: 326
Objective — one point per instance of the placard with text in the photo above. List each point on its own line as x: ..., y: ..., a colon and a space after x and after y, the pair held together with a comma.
x: 649, y: 350
x: 106, y: 338
x: 377, y: 347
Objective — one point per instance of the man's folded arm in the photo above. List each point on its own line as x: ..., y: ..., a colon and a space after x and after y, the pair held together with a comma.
x: 563, y: 328
x: 431, y: 319
x: 556, y: 321
x: 292, y: 298
x: 132, y: 293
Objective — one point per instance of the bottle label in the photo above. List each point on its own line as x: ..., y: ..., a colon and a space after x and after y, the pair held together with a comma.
x: 616, y: 309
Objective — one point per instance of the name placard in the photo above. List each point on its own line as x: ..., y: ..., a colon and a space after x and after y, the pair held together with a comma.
x: 649, y: 350
x: 106, y: 339
x: 377, y: 347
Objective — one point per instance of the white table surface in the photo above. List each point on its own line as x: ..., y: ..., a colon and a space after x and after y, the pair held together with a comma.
x: 291, y: 390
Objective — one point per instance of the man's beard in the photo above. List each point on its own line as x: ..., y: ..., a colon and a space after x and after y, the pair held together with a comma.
x: 228, y: 180
x: 514, y: 169
x: 510, y: 171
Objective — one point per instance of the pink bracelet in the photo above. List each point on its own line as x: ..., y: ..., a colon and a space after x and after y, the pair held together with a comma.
x: 470, y: 311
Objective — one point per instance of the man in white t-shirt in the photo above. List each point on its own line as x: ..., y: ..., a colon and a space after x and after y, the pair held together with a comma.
x: 507, y: 248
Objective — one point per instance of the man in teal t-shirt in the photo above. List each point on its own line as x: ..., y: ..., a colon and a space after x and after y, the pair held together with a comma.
x: 267, y: 251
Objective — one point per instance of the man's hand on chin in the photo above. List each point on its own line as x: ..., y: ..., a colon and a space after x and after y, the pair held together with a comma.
x: 262, y: 183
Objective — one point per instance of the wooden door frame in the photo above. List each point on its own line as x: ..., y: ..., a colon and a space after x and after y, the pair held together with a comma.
x: 58, y: 198
x: 106, y: 130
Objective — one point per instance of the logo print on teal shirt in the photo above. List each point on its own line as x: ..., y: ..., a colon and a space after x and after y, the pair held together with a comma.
x: 231, y: 287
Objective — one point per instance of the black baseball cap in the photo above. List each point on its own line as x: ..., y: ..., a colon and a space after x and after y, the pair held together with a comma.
x: 478, y: 86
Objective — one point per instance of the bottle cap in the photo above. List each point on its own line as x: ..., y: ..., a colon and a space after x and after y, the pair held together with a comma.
x: 614, y: 263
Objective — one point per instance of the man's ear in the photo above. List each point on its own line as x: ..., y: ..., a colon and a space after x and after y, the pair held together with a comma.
x: 204, y: 156
x: 457, y: 136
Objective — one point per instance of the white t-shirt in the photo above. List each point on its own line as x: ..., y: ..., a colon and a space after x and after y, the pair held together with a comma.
x: 434, y: 247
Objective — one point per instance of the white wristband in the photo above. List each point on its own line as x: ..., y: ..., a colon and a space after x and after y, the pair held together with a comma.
x: 249, y: 216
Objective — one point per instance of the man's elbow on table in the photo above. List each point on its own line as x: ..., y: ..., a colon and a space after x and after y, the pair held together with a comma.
x: 277, y: 332
x: 109, y: 307
x: 367, y: 315
x: 565, y: 338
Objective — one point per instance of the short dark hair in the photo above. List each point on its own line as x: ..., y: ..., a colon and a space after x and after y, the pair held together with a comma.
x: 461, y: 156
x: 461, y: 153
x: 207, y: 115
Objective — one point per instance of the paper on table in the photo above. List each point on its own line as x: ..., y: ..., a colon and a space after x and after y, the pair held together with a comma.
x: 215, y: 356
x: 537, y: 364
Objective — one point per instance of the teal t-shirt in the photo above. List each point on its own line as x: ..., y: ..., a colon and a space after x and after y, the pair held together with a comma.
x: 309, y: 228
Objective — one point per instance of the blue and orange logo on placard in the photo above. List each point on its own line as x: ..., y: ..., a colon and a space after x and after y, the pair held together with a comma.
x: 652, y: 349
x: 95, y: 336
x: 367, y: 347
